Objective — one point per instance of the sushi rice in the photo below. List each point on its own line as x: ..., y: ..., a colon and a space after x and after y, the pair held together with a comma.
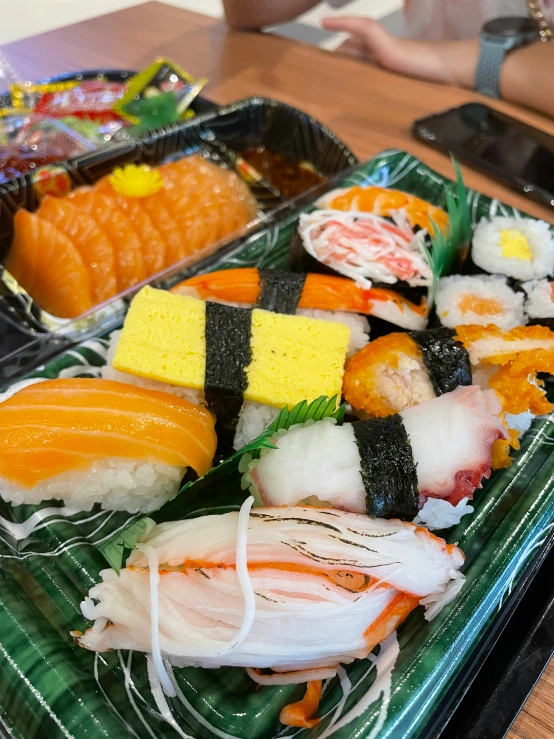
x: 117, y: 484
x: 540, y: 299
x: 479, y: 300
x: 522, y: 248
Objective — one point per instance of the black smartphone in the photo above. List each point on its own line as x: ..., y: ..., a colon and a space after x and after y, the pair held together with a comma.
x: 518, y: 155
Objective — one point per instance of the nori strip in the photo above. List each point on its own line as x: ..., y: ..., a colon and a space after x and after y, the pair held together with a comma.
x: 387, y: 468
x: 280, y: 291
x: 446, y: 359
x: 228, y: 354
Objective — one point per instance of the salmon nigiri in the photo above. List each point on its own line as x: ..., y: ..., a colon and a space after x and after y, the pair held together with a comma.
x: 91, y: 241
x: 88, y: 441
x: 48, y: 265
x: 289, y: 593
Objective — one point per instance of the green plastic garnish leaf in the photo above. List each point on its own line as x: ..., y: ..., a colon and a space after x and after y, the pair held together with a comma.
x: 114, y: 549
x: 153, y: 113
x: 219, y: 490
x: 449, y: 247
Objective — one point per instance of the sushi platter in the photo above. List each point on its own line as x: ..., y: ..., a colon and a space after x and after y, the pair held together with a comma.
x: 226, y: 509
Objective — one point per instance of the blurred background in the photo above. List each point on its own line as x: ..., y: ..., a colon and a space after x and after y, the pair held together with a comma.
x: 29, y: 17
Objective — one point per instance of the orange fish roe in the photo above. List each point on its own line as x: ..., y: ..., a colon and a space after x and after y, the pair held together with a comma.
x: 480, y: 306
x: 363, y: 369
x: 501, y: 450
x: 528, y: 350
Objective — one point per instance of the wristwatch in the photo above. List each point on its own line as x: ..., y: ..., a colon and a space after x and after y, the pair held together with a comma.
x: 498, y: 37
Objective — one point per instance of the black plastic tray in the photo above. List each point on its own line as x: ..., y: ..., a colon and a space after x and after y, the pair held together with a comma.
x: 28, y: 336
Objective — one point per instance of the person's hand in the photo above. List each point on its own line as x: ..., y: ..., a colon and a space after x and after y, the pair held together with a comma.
x: 448, y: 62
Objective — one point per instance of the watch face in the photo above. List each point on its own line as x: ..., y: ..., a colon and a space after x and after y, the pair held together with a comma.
x: 510, y: 27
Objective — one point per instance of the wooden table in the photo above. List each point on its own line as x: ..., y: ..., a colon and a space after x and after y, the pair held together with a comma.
x: 369, y: 108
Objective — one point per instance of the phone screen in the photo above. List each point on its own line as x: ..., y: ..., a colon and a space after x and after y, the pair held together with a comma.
x: 518, y: 154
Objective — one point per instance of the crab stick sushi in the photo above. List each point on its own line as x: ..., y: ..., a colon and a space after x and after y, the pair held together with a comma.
x: 479, y: 300
x: 386, y: 467
x: 88, y: 441
x: 522, y: 248
x: 290, y: 292
x: 287, y: 593
x: 366, y: 248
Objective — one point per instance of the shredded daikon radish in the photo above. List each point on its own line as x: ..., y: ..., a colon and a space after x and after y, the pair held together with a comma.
x: 243, y: 576
x: 153, y: 565
x: 159, y: 697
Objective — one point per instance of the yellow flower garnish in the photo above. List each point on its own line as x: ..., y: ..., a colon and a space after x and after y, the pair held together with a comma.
x: 136, y: 180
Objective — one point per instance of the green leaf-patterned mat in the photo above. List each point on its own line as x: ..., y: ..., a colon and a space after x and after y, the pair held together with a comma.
x: 50, y: 689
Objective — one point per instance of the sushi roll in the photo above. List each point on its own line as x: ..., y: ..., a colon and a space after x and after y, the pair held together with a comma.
x: 289, y: 292
x: 88, y: 441
x: 539, y: 305
x: 521, y: 248
x: 287, y: 593
x: 230, y: 355
x: 479, y: 300
x: 366, y: 248
x: 386, y: 467
x: 385, y: 202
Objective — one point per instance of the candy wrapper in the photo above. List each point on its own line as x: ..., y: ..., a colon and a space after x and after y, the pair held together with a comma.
x: 92, y: 99
x: 160, y: 78
x: 26, y: 95
x: 30, y: 142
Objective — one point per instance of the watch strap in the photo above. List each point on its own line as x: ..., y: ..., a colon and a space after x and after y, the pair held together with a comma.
x: 487, y: 75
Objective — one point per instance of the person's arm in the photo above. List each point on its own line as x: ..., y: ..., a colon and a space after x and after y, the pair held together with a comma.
x: 252, y: 14
x: 526, y: 77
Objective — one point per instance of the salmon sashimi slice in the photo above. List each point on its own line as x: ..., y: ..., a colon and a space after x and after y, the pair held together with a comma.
x: 67, y: 424
x: 49, y: 267
x: 103, y: 208
x: 154, y: 245
x: 91, y: 241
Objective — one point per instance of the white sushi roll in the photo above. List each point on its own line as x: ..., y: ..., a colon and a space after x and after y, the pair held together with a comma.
x: 480, y: 300
x: 522, y: 248
x: 300, y: 567
x: 444, y: 444
x: 540, y: 299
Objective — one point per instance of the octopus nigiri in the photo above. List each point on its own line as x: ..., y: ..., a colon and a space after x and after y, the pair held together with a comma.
x: 389, y: 467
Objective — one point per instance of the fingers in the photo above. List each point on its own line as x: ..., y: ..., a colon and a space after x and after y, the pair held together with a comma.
x: 348, y: 24
x: 370, y: 41
x: 354, y: 47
